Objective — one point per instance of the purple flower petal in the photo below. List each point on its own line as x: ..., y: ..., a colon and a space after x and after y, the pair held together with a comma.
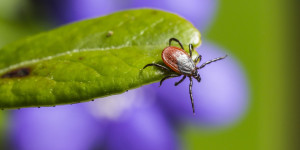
x: 220, y: 98
x: 145, y: 129
x: 83, y: 9
x: 199, y: 12
x: 59, y: 128
x: 74, y: 10
x: 135, y: 121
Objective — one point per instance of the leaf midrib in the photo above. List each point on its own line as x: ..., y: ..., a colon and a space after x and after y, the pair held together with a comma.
x: 33, y: 61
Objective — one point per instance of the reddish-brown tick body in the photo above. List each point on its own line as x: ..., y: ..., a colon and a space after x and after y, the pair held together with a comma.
x: 181, y: 63
x: 178, y: 60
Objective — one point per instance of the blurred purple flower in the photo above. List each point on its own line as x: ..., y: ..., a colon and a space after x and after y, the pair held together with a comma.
x: 128, y: 121
x: 199, y: 12
x: 143, y: 118
x: 66, y: 11
x: 63, y: 127
x: 83, y: 9
x: 145, y: 129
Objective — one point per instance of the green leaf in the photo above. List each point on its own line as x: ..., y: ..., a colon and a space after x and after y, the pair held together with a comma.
x: 89, y: 59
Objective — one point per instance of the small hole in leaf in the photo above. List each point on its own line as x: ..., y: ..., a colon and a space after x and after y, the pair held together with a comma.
x: 20, y: 72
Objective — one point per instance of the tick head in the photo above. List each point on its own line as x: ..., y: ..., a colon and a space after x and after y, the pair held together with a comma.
x: 196, y: 75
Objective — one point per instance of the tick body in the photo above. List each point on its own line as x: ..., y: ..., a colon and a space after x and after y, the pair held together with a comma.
x: 178, y: 60
x: 180, y: 63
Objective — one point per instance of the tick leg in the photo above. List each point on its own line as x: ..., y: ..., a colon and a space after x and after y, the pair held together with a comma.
x: 198, y: 59
x: 176, y: 83
x: 176, y: 40
x: 192, y: 100
x: 208, y: 62
x: 191, y: 47
x: 169, y: 76
x: 158, y: 65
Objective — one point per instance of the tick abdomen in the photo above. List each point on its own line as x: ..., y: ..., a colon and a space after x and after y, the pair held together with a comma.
x: 178, y: 60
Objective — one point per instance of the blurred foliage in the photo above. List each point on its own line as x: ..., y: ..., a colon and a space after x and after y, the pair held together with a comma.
x: 254, y: 32
x: 3, y: 128
x: 10, y: 10
x: 16, y: 21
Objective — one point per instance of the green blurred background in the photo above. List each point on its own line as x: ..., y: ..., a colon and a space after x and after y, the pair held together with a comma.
x: 263, y: 35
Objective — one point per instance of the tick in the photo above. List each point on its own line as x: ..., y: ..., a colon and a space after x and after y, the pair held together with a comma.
x: 180, y: 63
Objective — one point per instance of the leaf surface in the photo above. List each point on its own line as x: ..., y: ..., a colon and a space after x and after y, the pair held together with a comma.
x: 90, y: 59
